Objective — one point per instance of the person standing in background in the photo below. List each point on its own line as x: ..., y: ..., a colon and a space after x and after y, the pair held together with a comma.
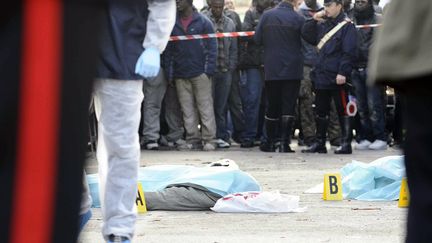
x: 370, y: 99
x: 336, y: 39
x: 251, y: 64
x: 192, y: 64
x: 279, y: 31
x: 226, y: 63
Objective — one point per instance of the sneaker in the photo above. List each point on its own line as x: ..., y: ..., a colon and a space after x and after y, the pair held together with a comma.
x: 151, y: 145
x: 179, y: 142
x: 222, y: 144
x: 208, y: 147
x: 363, y: 145
x: 118, y: 239
x: 185, y: 146
x: 378, y: 145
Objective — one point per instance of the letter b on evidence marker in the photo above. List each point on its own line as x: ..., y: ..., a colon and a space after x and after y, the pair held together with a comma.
x: 332, y: 187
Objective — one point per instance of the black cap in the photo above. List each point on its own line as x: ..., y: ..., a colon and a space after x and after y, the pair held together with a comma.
x: 327, y: 2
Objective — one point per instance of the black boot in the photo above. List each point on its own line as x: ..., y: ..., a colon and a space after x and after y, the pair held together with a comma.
x: 286, y: 128
x: 271, y: 126
x: 319, y: 146
x: 346, y: 126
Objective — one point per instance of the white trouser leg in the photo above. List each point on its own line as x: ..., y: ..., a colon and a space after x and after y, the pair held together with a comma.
x: 118, y: 104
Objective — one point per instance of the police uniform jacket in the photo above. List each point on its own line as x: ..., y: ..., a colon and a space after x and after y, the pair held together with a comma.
x: 337, y: 56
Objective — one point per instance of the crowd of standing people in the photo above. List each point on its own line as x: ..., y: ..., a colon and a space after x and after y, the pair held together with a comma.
x: 301, y: 69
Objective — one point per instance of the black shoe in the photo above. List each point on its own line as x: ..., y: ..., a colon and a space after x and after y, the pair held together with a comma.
x: 316, y: 147
x: 285, y: 148
x: 344, y: 149
x: 247, y: 144
x: 335, y: 142
x: 268, y: 147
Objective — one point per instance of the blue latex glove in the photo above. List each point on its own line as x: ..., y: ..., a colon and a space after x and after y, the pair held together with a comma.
x: 148, y: 63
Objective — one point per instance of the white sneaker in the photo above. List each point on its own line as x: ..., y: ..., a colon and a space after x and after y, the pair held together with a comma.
x: 151, y: 145
x: 222, y: 144
x: 378, y: 145
x: 363, y: 145
x: 179, y: 142
x: 185, y: 146
x: 208, y: 147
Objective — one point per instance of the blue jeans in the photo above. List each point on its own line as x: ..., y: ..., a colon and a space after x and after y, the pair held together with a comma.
x: 370, y: 105
x: 251, y: 84
x: 221, y: 91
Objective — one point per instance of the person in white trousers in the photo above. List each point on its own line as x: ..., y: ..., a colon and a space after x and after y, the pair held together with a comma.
x: 125, y: 60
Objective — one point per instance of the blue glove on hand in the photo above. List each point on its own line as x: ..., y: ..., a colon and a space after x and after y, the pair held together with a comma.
x: 148, y: 63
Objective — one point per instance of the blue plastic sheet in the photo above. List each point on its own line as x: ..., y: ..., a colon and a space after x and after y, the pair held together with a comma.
x: 379, y: 180
x: 220, y: 180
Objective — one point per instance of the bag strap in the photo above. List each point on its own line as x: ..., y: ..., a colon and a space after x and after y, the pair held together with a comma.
x: 329, y: 34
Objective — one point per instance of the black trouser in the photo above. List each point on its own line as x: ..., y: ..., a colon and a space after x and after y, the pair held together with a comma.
x: 323, y: 100
x: 418, y: 156
x: 282, y: 97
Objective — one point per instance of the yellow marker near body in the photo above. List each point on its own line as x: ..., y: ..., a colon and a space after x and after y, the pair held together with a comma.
x: 332, y: 187
x: 140, y: 200
x: 404, y: 195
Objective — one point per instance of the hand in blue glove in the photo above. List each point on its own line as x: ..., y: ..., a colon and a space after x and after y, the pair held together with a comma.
x: 148, y: 63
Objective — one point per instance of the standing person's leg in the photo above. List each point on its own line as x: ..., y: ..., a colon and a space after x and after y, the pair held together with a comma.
x: 322, y: 103
x: 173, y: 116
x: 221, y: 90
x: 236, y: 108
x: 365, y: 136
x: 154, y: 92
x: 186, y: 97
x: 306, y: 113
x: 418, y: 154
x: 398, y: 135
x: 376, y: 103
x: 274, y: 98
x: 251, y: 96
x: 202, y: 89
x: 340, y: 98
x: 118, y: 107
x: 334, y: 127
x: 290, y: 92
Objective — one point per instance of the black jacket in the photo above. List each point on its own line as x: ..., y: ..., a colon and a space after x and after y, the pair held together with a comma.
x: 279, y: 31
x: 251, y: 54
x: 364, y: 37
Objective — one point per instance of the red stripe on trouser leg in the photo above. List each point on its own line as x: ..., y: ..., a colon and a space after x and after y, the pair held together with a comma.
x: 36, y: 171
x: 344, y: 100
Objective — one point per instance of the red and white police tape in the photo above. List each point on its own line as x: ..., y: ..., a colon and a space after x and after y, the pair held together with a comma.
x: 239, y: 34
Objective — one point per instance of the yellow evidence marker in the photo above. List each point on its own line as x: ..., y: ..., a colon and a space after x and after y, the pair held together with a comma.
x: 332, y: 187
x: 404, y: 195
x: 140, y: 200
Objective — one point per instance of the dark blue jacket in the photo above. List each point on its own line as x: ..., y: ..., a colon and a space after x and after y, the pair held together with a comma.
x: 337, y: 56
x: 191, y: 58
x: 279, y: 31
x: 310, y: 53
x: 122, y: 38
